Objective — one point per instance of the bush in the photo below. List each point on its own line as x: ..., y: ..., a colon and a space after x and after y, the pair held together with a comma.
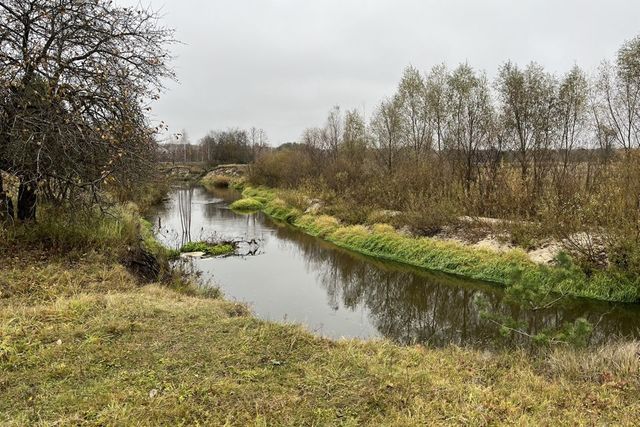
x: 144, y: 194
x: 426, y: 215
x: 282, y: 168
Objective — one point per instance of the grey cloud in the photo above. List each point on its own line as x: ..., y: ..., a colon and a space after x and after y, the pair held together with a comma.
x: 281, y: 64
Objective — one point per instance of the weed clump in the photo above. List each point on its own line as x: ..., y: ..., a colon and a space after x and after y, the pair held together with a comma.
x: 212, y: 249
x: 247, y: 205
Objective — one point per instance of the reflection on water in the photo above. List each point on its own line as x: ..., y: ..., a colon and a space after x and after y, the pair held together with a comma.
x: 336, y: 293
x: 185, y: 196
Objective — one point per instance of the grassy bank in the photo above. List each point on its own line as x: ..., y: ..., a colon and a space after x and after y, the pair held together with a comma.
x: 84, y: 342
x: 504, y: 268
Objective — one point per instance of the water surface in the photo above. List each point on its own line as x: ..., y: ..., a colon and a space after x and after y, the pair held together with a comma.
x: 292, y: 277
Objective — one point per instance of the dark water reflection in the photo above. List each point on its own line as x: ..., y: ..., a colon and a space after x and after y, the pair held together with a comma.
x: 295, y: 277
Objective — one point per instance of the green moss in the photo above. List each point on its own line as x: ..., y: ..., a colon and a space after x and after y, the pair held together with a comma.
x: 213, y: 249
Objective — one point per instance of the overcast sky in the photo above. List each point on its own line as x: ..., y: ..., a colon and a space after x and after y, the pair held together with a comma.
x: 281, y: 64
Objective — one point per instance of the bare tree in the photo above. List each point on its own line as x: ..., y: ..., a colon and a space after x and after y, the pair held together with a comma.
x: 572, y: 113
x: 185, y: 143
x: 76, y: 77
x: 414, y: 112
x: 437, y: 104
x: 313, y: 141
x: 470, y: 120
x: 527, y: 98
x: 619, y: 89
x: 333, y: 132
x: 387, y: 129
x: 258, y: 141
x: 354, y: 142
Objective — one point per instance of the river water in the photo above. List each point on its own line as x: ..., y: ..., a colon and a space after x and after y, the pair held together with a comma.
x: 288, y: 276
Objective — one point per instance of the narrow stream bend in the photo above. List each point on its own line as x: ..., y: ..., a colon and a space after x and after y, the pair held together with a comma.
x: 297, y: 278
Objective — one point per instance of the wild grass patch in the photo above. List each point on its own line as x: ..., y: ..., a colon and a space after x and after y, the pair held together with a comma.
x: 209, y: 248
x: 248, y: 204
x: 278, y: 208
x: 62, y: 229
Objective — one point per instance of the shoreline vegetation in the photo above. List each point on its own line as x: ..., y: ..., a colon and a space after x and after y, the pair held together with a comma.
x: 85, y: 340
x: 209, y: 248
x: 506, y: 268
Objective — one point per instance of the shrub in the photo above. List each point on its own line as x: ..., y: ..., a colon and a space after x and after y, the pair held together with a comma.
x: 382, y: 216
x: 426, y: 214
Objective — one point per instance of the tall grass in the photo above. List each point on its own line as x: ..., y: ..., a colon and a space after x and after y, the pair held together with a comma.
x: 116, y: 233
x: 61, y: 229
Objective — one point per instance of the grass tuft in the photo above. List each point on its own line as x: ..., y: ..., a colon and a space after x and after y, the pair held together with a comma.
x: 247, y: 205
x: 213, y: 249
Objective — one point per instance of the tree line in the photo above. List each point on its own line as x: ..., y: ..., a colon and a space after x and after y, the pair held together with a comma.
x: 529, y: 145
x: 217, y: 147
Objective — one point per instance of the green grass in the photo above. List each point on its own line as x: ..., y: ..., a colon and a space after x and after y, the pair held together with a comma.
x: 503, y: 268
x: 248, y: 204
x: 213, y: 249
x: 82, y: 343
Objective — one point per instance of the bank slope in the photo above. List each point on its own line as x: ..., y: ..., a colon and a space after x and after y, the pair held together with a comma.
x: 503, y: 268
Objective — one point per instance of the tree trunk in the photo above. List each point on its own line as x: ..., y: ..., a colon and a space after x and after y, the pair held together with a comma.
x: 6, y: 205
x: 27, y: 200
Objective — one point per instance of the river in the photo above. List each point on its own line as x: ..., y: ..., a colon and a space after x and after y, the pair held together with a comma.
x: 288, y: 276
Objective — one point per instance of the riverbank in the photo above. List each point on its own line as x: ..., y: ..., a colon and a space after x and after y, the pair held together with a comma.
x: 507, y: 268
x: 84, y: 341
